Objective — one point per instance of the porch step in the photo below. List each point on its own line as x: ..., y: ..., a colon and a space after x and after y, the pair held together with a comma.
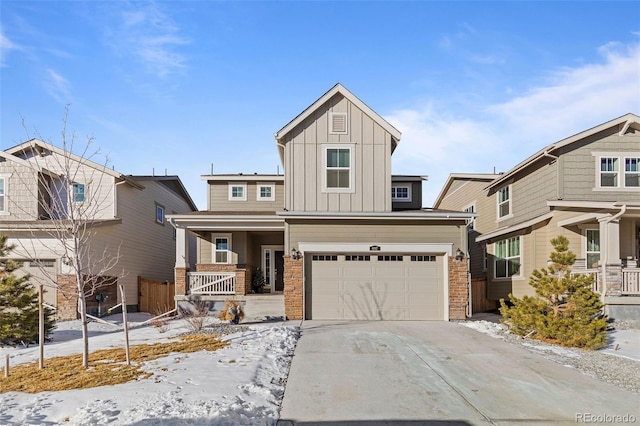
x: 261, y: 307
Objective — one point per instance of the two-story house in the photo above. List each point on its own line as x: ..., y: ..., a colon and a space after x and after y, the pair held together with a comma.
x: 125, y: 216
x: 337, y: 234
x: 585, y: 187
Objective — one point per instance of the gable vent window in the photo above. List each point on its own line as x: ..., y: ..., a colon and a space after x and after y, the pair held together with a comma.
x: 338, y: 122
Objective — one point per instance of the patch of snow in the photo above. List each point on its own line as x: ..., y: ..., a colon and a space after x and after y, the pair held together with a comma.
x: 492, y: 329
x: 242, y: 384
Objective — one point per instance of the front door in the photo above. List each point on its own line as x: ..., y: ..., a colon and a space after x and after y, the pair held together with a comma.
x: 279, y: 270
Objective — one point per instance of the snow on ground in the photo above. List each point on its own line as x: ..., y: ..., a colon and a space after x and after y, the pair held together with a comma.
x: 240, y: 384
x: 622, y: 343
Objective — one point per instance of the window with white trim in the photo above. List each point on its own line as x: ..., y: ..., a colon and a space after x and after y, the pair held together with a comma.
x: 619, y: 172
x: 238, y: 192
x: 266, y: 192
x: 338, y: 168
x: 609, y: 171
x: 504, y: 201
x: 4, y: 204
x: 221, y: 249
x: 632, y: 172
x: 507, y: 258
x: 592, y: 247
x: 401, y: 193
x: 78, y: 192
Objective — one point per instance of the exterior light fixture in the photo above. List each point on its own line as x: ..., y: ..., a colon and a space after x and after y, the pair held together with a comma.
x: 295, y: 254
x: 459, y: 254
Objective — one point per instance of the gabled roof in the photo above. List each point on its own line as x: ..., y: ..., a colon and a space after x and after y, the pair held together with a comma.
x: 338, y: 88
x: 40, y: 146
x: 18, y: 160
x: 173, y: 183
x: 477, y: 177
x: 626, y: 121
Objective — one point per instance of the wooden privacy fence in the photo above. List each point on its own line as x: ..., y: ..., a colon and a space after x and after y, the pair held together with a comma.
x: 156, y: 297
x: 479, y: 301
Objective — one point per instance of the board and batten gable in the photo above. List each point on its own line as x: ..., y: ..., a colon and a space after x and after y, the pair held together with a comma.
x: 305, y: 159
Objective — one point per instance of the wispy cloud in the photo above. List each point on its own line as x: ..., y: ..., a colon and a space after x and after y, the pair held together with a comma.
x: 438, y: 140
x: 151, y: 37
x: 57, y: 86
x: 6, y: 46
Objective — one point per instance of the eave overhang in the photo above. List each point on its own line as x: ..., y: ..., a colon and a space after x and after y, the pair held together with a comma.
x: 217, y: 222
x: 514, y: 228
x: 409, y: 215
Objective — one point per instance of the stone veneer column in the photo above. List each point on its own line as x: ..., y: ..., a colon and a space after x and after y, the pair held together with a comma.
x: 182, y: 281
x: 293, y: 288
x: 613, y: 279
x: 66, y: 298
x: 458, y: 291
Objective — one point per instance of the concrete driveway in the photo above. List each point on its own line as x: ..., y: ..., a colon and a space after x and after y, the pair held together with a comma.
x: 436, y: 373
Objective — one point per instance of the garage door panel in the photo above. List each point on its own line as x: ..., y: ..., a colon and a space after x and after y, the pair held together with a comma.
x: 384, y: 287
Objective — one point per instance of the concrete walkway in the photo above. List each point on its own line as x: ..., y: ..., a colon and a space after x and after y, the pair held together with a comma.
x: 435, y: 373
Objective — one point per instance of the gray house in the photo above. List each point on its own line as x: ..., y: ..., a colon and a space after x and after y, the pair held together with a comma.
x: 128, y: 216
x: 338, y: 235
x: 585, y: 187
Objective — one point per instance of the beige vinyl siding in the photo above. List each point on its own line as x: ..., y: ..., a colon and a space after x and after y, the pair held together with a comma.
x: 21, y: 190
x: 580, y: 167
x: 370, y: 162
x: 146, y: 248
x: 361, y: 231
x: 416, y: 196
x: 218, y: 196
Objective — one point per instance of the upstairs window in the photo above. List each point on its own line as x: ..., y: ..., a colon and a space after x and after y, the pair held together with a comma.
x: 507, y: 258
x: 632, y: 172
x: 504, y: 202
x: 237, y: 192
x: 401, y: 193
x: 3, y: 195
x: 338, y: 169
x: 78, y: 192
x: 609, y: 172
x: 159, y: 214
x: 616, y: 171
x: 266, y: 192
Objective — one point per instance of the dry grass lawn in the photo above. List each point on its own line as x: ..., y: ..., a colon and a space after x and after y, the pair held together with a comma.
x: 106, y: 367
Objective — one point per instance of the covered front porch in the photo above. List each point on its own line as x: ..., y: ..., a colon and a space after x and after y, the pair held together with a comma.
x: 611, y: 250
x: 235, y: 255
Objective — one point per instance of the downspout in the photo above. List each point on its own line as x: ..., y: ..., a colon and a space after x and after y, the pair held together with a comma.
x: 546, y: 154
x: 604, y: 261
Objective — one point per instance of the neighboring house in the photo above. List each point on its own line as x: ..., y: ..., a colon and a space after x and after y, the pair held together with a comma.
x: 337, y: 234
x: 130, y: 218
x: 585, y: 187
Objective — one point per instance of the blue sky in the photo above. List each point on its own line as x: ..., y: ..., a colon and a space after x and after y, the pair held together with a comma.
x: 178, y: 86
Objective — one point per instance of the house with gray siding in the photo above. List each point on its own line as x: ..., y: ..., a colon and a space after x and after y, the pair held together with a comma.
x: 585, y: 187
x: 337, y: 234
x: 128, y: 218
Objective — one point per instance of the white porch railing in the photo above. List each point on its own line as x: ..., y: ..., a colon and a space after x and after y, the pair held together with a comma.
x: 209, y: 283
x: 630, y: 281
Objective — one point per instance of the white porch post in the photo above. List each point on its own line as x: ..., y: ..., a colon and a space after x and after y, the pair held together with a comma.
x: 182, y: 248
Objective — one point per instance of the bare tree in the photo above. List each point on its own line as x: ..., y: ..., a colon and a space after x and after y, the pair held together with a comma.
x: 75, y: 197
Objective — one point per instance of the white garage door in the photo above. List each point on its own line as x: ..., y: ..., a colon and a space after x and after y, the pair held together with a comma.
x: 375, y: 287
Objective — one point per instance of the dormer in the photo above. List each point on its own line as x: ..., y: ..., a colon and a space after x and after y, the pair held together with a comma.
x: 337, y: 156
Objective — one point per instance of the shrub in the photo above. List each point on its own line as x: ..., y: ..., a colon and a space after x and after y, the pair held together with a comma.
x: 565, y: 310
